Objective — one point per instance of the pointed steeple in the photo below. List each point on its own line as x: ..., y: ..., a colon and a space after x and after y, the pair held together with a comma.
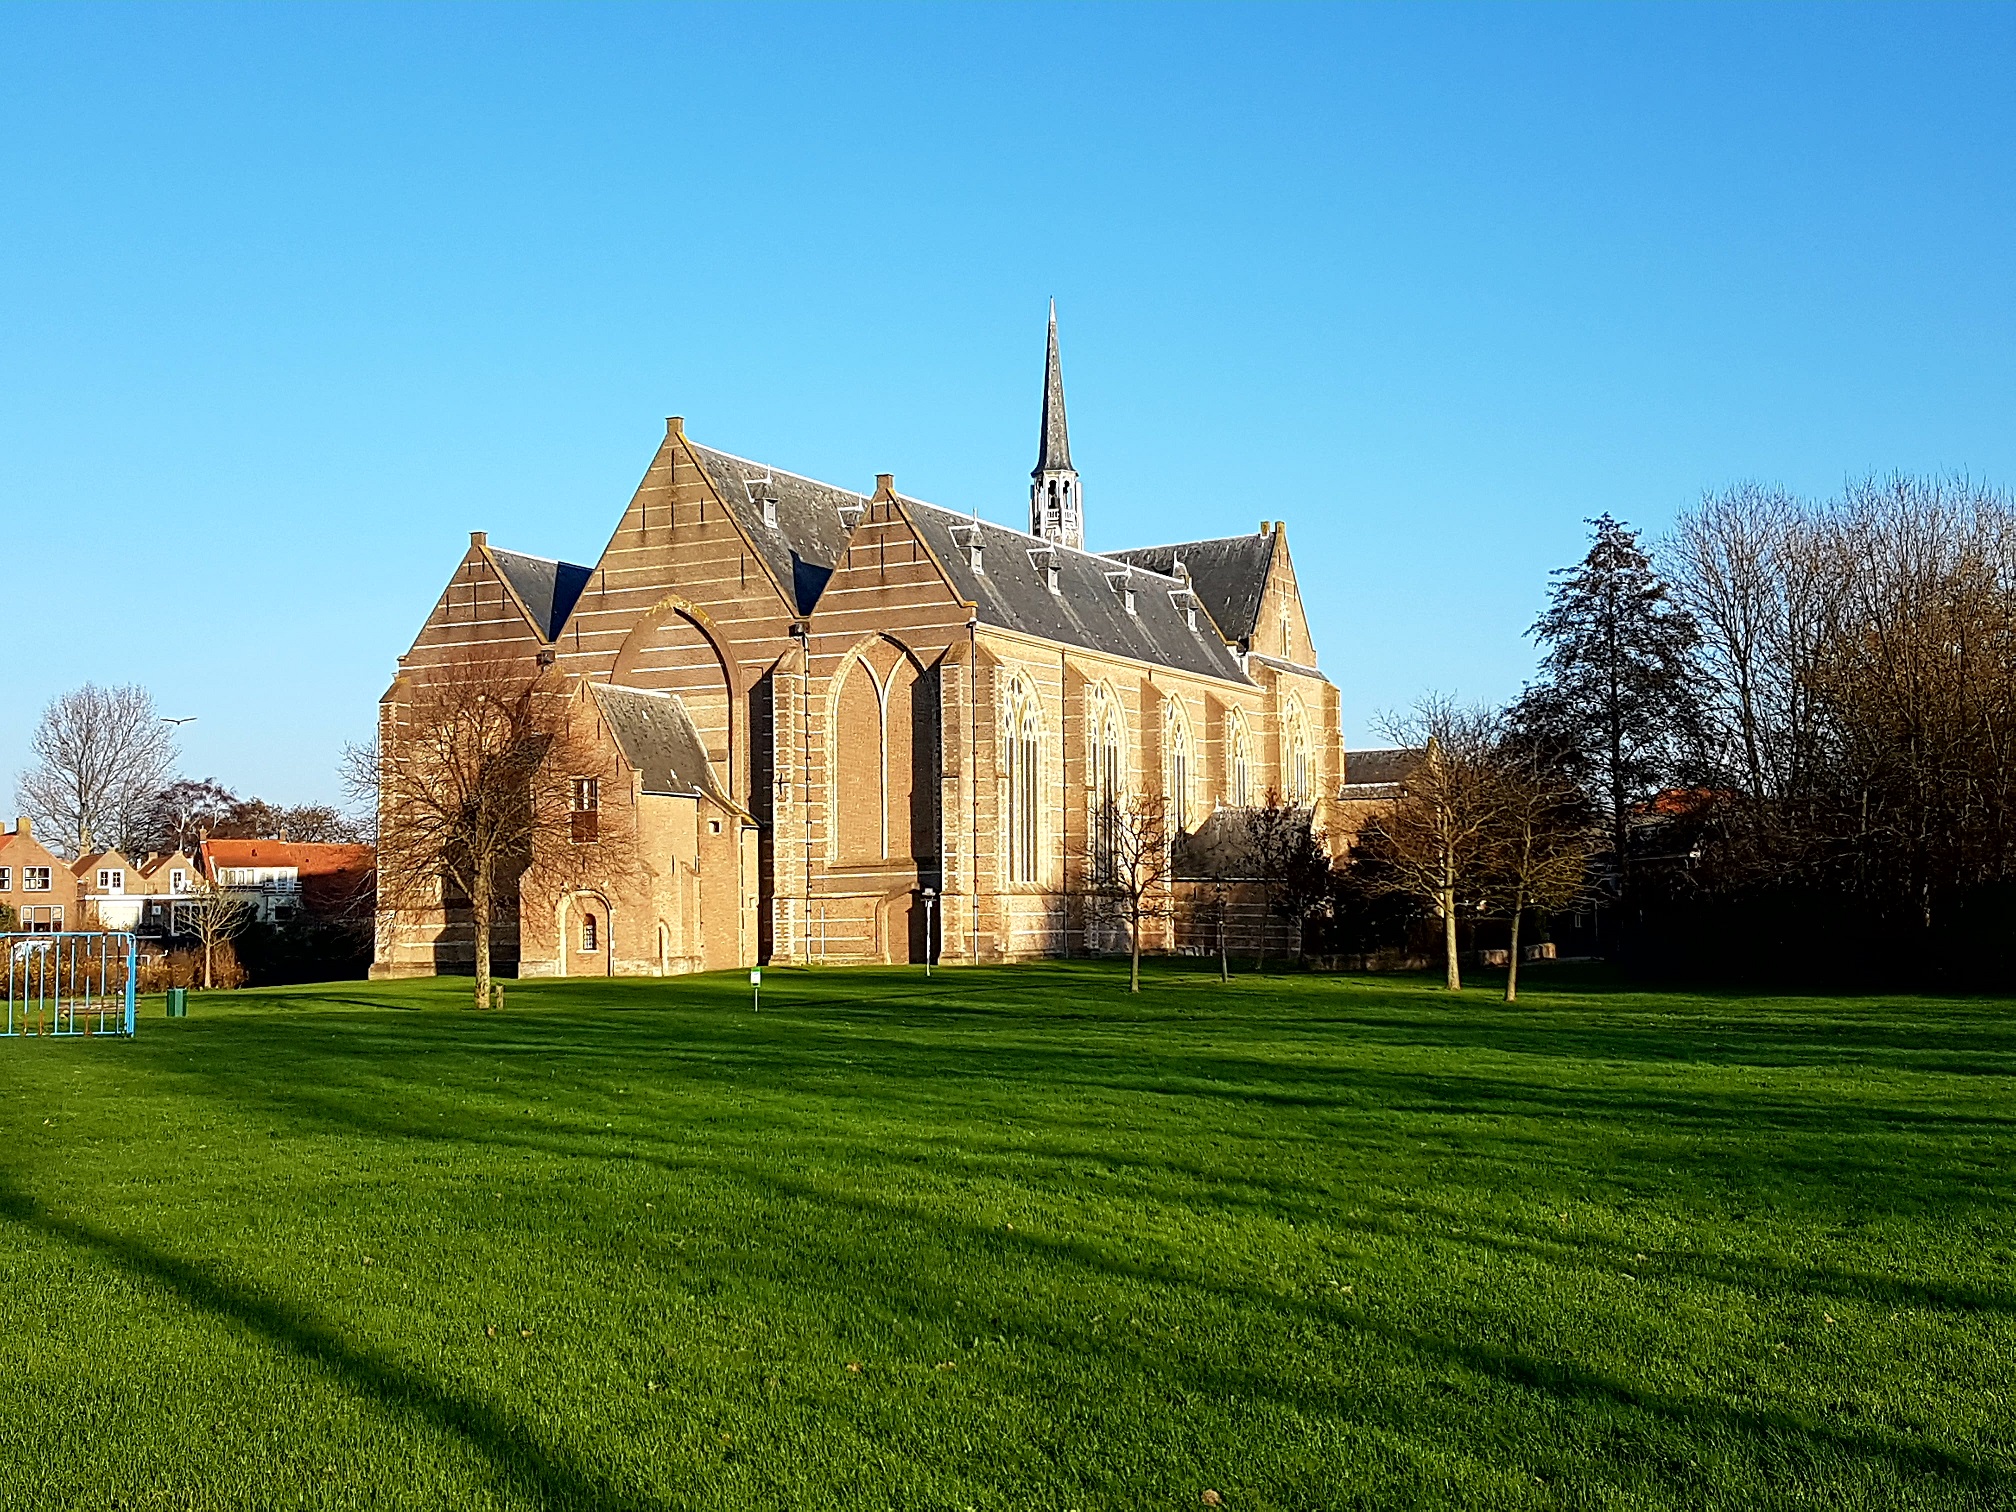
x: 1056, y: 511
x: 1053, y: 447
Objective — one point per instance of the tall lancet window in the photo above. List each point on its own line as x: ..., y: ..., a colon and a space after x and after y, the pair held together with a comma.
x: 1178, y: 744
x: 1109, y: 775
x: 1296, y: 754
x: 1239, y: 764
x: 1022, y: 736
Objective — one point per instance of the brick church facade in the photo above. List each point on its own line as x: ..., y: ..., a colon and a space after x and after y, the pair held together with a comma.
x: 813, y: 706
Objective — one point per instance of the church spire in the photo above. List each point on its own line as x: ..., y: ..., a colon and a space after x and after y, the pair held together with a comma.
x: 1056, y: 511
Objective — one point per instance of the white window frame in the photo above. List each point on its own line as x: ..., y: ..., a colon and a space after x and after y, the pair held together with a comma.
x: 6, y: 879
x: 111, y: 879
x: 29, y: 875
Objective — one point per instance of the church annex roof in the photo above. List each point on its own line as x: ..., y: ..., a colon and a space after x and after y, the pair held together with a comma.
x: 1386, y: 767
x: 548, y: 588
x: 809, y: 533
x: 1229, y: 574
x: 656, y: 736
x: 1089, y: 608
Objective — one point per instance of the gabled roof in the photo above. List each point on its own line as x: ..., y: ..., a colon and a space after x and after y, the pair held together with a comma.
x: 810, y: 535
x: 1012, y: 591
x: 1229, y: 574
x: 549, y: 589
x: 90, y: 859
x: 656, y: 736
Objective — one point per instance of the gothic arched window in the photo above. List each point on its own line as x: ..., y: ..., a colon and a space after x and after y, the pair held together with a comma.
x: 1239, y: 764
x: 1022, y: 736
x: 1177, y: 742
x: 1295, y: 754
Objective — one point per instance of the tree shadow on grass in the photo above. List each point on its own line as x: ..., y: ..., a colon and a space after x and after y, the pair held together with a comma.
x: 547, y: 1476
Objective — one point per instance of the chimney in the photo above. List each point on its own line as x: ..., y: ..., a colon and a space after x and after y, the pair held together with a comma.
x: 1263, y: 527
x: 25, y: 827
x: 479, y: 538
x: 674, y: 426
x: 885, y: 485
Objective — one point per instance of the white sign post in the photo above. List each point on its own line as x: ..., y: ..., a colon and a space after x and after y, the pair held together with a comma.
x: 755, y: 992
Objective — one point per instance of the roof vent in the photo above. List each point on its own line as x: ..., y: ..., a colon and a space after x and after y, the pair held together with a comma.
x: 1044, y: 560
x: 850, y: 515
x: 968, y: 536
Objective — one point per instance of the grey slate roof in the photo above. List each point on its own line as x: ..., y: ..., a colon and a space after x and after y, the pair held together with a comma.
x: 1053, y: 444
x: 1012, y: 591
x: 810, y: 535
x: 1229, y: 574
x: 549, y: 588
x: 1387, y: 767
x: 656, y: 736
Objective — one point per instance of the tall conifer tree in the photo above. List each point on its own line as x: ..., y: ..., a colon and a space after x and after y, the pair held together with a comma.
x: 1615, y: 701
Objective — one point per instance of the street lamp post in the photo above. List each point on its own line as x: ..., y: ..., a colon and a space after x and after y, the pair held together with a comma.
x: 930, y: 897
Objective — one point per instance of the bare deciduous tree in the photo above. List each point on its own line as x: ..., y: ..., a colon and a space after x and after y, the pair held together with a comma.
x: 213, y: 914
x: 1541, y: 840
x: 474, y: 773
x: 1437, y: 841
x: 100, y: 755
x: 1128, y: 864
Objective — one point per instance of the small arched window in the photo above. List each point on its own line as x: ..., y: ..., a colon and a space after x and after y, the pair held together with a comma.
x: 1239, y: 765
x: 1178, y: 776
x: 588, y: 935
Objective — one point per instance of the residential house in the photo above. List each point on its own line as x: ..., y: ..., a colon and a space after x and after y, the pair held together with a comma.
x: 35, y: 882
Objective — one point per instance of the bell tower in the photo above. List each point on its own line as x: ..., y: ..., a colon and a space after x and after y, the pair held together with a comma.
x: 1056, y: 509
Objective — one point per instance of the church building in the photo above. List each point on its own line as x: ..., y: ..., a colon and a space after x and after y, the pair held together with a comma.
x: 860, y: 727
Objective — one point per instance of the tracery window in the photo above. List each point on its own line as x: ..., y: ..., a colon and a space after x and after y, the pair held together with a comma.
x: 1239, y: 764
x: 1179, y: 771
x: 1296, y: 755
x: 1108, y: 773
x: 1022, y: 738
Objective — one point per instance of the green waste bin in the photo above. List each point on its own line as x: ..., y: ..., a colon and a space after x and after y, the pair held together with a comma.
x: 178, y: 1002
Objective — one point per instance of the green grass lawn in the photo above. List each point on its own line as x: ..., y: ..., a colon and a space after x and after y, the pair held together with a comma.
x: 1011, y: 1239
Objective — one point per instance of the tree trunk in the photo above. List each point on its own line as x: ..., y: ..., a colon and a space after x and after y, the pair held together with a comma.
x: 1224, y: 960
x: 479, y: 918
x: 1512, y: 958
x: 206, y: 960
x: 1134, y: 964
x: 1454, y: 980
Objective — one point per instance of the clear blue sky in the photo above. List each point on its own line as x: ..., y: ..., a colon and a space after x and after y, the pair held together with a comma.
x: 292, y: 298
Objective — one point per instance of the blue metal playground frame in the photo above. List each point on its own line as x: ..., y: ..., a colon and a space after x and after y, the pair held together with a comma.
x: 69, y: 983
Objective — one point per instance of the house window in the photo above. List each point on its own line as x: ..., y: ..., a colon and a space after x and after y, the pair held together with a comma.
x: 47, y: 919
x: 34, y: 879
x: 587, y: 817
x: 111, y: 880
x: 178, y: 881
x: 6, y: 879
x: 588, y: 932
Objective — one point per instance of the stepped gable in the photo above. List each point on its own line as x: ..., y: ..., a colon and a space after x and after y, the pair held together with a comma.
x: 810, y: 535
x: 1229, y: 574
x: 548, y: 589
x: 1011, y: 591
x: 656, y: 736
